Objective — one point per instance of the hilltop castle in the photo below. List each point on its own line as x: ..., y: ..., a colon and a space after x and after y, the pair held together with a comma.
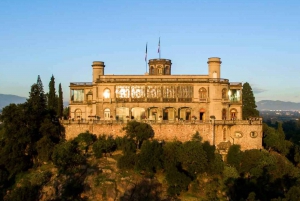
x: 208, y: 103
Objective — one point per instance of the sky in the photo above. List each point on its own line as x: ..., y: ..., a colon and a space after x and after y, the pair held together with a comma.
x: 257, y: 41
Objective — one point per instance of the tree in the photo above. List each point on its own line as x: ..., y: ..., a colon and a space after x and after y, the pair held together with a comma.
x: 234, y: 156
x: 105, y: 144
x: 52, y: 100
x: 60, y: 104
x: 66, y: 112
x: 44, y: 148
x: 66, y: 156
x: 275, y: 139
x: 150, y: 157
x: 139, y: 132
x: 85, y: 140
x: 193, y: 158
x: 249, y: 106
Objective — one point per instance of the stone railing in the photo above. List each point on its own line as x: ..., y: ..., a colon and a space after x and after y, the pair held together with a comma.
x: 162, y: 80
x: 257, y: 121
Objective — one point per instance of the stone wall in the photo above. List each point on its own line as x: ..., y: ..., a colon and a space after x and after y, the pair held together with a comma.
x: 237, y: 133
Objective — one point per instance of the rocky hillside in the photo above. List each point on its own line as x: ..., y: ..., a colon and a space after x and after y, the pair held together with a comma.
x: 100, y: 179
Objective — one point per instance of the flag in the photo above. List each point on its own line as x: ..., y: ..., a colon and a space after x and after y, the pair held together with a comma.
x: 146, y: 53
x: 158, y: 45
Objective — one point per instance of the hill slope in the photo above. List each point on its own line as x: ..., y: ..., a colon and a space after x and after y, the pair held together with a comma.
x: 277, y: 105
x: 6, y: 99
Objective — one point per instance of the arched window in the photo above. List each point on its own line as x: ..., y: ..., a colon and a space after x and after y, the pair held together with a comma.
x: 224, y: 93
x: 215, y: 74
x: 152, y: 70
x: 233, y: 114
x: 77, y: 114
x: 167, y: 71
x: 106, y: 93
x: 224, y: 114
x: 202, y: 93
x: 107, y: 114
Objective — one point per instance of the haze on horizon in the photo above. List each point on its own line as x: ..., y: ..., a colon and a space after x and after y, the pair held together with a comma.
x: 257, y: 41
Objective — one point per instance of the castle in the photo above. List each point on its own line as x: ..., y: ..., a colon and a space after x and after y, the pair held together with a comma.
x: 208, y: 104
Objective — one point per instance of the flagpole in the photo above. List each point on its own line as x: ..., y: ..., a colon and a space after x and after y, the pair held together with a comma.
x: 159, y: 47
x: 146, y: 57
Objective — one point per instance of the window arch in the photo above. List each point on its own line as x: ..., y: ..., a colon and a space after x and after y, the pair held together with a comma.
x: 77, y: 114
x: 224, y: 114
x: 215, y: 74
x: 152, y: 70
x: 233, y: 114
x: 167, y: 70
x: 202, y: 92
x: 106, y: 114
x: 224, y: 93
x: 106, y: 93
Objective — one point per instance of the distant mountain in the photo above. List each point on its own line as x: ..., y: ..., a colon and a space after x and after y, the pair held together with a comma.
x: 277, y: 105
x: 6, y: 99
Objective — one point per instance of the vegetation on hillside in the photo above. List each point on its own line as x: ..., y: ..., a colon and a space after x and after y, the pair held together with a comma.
x: 37, y: 163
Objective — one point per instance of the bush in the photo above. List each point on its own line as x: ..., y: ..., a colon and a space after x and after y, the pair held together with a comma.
x: 127, y: 161
x: 66, y: 155
x: 104, y: 145
x: 27, y: 192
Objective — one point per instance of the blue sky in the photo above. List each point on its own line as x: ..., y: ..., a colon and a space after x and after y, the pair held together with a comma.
x: 258, y: 41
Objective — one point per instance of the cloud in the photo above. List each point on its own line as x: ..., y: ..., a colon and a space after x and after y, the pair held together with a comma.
x: 257, y: 90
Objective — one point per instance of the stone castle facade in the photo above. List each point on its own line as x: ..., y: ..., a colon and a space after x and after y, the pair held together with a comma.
x: 208, y: 104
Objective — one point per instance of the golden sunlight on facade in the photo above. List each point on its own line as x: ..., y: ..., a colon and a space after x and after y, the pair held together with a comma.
x: 158, y: 97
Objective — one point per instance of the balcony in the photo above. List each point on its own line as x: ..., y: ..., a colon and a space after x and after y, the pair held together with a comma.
x: 185, y: 100
x: 225, y: 100
x: 203, y: 100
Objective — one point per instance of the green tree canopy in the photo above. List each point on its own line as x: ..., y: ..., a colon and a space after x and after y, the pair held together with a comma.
x: 52, y: 99
x: 60, y: 104
x: 249, y: 106
x: 139, y: 132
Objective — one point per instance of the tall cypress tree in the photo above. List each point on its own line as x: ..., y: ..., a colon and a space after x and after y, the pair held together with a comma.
x: 52, y: 100
x: 249, y: 106
x: 60, y: 106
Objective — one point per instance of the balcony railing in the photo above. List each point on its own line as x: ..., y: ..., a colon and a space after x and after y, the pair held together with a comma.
x: 120, y: 79
x: 257, y: 121
x: 203, y: 100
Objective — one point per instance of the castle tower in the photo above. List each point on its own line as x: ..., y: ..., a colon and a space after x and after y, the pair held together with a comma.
x: 214, y: 64
x: 160, y: 66
x: 98, y: 69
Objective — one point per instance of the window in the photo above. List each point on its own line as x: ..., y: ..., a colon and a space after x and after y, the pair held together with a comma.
x: 234, y: 95
x: 77, y: 95
x: 253, y: 134
x: 224, y: 114
x: 106, y: 93
x: 233, y: 114
x: 238, y: 134
x: 167, y: 70
x: 152, y: 70
x: 224, y: 93
x: 107, y: 114
x: 202, y: 93
x: 77, y: 114
x: 215, y: 74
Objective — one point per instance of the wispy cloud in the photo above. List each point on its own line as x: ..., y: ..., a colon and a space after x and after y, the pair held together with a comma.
x: 257, y: 90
